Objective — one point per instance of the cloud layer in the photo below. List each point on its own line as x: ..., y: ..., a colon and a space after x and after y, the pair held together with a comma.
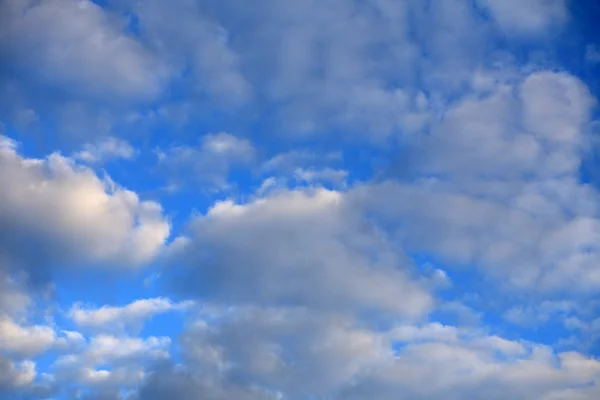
x: 293, y: 200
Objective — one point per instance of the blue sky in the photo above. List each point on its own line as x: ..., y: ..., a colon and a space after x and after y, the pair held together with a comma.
x: 285, y: 199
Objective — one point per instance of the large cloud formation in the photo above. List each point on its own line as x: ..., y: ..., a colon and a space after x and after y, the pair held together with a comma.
x: 381, y: 199
x: 63, y: 213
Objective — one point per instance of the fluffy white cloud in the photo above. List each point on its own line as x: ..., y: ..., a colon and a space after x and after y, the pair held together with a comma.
x: 81, y: 46
x: 107, y: 363
x: 297, y: 353
x: 479, y: 368
x: 131, y: 316
x: 317, y: 66
x: 104, y: 150
x: 67, y: 214
x: 210, y: 163
x: 104, y: 349
x: 325, y: 175
x: 298, y: 247
x: 25, y: 341
x: 499, y: 187
x: 527, y: 17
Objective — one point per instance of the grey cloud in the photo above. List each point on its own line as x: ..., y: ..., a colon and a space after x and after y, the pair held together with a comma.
x: 298, y: 247
x: 497, y: 186
x: 82, y: 47
x: 298, y: 354
x: 296, y: 351
x: 529, y: 17
x: 170, y: 382
x: 322, y: 65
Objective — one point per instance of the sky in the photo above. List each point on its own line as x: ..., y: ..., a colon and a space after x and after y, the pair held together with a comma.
x: 299, y: 199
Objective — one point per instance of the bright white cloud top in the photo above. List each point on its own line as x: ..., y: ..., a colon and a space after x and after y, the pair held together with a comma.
x: 295, y: 200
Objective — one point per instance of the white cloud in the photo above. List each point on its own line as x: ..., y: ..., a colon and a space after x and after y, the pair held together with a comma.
x: 298, y: 353
x: 287, y: 162
x: 82, y: 48
x: 67, y: 213
x: 298, y: 247
x: 7, y: 142
x: 211, y: 162
x: 109, y: 362
x: 106, y: 149
x: 131, y: 316
x: 325, y: 175
x: 592, y: 54
x: 188, y: 37
x: 505, y: 193
x: 527, y: 17
x: 316, y: 66
x: 482, y: 368
x: 103, y: 349
x: 25, y: 341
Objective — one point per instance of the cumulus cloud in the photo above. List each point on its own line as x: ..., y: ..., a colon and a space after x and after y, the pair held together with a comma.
x: 479, y: 367
x: 129, y: 317
x: 302, y: 291
x: 298, y: 247
x: 108, y: 363
x: 296, y: 354
x: 15, y: 375
x: 69, y: 215
x: 498, y: 187
x: 529, y: 17
x: 209, y: 163
x: 170, y: 381
x: 25, y: 340
x: 106, y: 149
x: 296, y: 351
x: 82, y: 47
x: 317, y: 66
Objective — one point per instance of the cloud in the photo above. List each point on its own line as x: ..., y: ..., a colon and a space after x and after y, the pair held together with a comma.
x: 497, y: 185
x: 328, y: 175
x: 592, y: 54
x: 478, y: 368
x: 15, y: 377
x: 296, y: 247
x: 104, y: 150
x: 287, y: 162
x: 82, y: 47
x: 129, y: 317
x: 210, y: 163
x: 528, y: 17
x: 108, y: 362
x: 170, y: 381
x: 69, y: 215
x: 318, y: 67
x: 25, y: 341
x: 186, y: 36
x: 436, y: 276
x: 297, y: 353
x: 104, y: 349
